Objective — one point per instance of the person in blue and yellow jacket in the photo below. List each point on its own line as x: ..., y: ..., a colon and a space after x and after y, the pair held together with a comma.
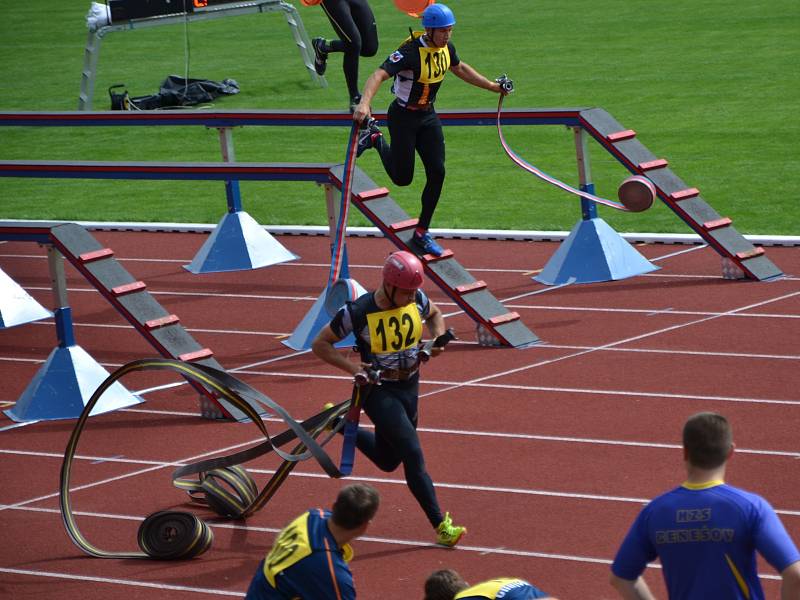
x: 418, y: 67
x: 447, y: 584
x: 308, y: 560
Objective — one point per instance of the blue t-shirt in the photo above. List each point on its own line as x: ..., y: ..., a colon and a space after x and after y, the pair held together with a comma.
x: 706, y: 537
x: 502, y: 589
x: 304, y: 562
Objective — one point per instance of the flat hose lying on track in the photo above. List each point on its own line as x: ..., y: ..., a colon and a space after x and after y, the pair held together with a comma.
x: 174, y: 535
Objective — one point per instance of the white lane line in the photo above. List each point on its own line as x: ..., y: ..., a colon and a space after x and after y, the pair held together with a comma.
x: 381, y: 480
x: 22, y: 360
x: 236, y: 370
x: 679, y: 252
x: 648, y: 311
x: 128, y: 582
x: 149, y: 469
x: 451, y: 385
x: 197, y: 294
x: 570, y: 281
x: 623, y: 341
x: 747, y: 355
x: 371, y: 539
x: 483, y: 550
x: 444, y: 303
x: 293, y: 264
x: 17, y: 425
x: 667, y: 351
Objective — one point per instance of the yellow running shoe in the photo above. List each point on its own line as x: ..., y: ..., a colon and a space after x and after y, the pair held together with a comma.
x: 332, y: 422
x: 448, y: 534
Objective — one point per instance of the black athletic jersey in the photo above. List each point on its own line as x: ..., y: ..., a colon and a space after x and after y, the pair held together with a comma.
x: 418, y: 69
x: 387, y: 339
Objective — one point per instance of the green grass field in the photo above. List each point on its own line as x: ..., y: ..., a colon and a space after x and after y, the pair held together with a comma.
x: 711, y: 88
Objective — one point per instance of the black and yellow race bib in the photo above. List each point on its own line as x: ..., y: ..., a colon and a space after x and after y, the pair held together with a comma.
x: 434, y: 63
x: 291, y: 546
x: 488, y: 589
x: 394, y: 330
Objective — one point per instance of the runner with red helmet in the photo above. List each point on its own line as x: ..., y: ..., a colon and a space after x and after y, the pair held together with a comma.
x: 387, y: 325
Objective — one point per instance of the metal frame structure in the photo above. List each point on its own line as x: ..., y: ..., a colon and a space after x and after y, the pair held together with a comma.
x: 621, y: 143
x: 91, y: 53
x: 375, y: 202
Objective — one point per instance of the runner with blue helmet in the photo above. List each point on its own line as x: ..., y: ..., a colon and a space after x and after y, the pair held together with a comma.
x: 437, y: 16
x: 418, y: 67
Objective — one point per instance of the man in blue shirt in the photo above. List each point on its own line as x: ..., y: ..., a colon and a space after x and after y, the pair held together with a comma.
x: 308, y: 560
x: 705, y: 532
x: 447, y: 584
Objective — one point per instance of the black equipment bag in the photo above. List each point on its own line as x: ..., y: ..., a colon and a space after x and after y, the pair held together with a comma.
x: 175, y: 92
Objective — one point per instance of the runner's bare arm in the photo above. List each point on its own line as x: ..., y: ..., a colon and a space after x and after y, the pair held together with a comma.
x: 632, y: 590
x: 323, y: 347
x: 463, y: 71
x: 436, y: 327
x: 371, y: 87
x: 790, y: 584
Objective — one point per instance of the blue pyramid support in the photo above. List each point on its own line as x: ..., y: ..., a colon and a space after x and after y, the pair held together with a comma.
x: 318, y: 317
x: 238, y: 243
x: 320, y: 313
x: 310, y: 326
x: 16, y: 305
x: 593, y: 252
x: 63, y: 386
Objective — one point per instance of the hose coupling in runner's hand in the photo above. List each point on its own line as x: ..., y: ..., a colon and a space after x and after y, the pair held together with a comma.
x: 506, y: 84
x: 367, y: 376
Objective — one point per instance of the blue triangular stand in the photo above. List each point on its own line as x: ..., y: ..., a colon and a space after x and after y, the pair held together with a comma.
x: 315, y: 320
x: 320, y: 314
x: 311, y: 325
x: 16, y: 305
x: 63, y: 386
x: 593, y: 252
x: 238, y: 243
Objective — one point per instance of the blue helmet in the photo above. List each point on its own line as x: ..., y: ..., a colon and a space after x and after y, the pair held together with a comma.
x: 437, y: 16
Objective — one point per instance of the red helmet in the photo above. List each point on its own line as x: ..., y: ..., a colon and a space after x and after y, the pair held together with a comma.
x: 403, y: 270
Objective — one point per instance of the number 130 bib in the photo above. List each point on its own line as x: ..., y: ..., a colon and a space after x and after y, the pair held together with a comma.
x: 434, y: 63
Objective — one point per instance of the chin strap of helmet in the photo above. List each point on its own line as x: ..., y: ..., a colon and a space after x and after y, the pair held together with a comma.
x: 389, y: 296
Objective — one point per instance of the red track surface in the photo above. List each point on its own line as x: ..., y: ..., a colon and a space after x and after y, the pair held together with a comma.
x: 546, y: 454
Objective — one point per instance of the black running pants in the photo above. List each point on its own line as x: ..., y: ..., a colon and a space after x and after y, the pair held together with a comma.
x: 413, y: 131
x: 354, y: 24
x: 392, y: 407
